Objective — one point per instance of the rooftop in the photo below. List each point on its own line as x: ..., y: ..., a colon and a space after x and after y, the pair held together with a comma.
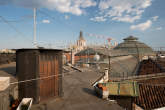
x: 133, y: 46
x: 151, y: 67
x: 78, y: 92
x: 151, y: 93
x: 102, y: 51
x: 130, y: 38
x: 123, y: 66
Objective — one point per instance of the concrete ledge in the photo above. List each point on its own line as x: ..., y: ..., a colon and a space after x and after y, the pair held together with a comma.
x: 4, y: 83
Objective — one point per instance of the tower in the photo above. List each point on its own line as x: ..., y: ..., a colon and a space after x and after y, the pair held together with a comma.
x: 81, y: 42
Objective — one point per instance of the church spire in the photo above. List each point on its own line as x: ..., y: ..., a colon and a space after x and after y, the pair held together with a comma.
x: 81, y: 36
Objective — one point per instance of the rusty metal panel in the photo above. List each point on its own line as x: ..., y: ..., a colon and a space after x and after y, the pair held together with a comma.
x: 127, y: 88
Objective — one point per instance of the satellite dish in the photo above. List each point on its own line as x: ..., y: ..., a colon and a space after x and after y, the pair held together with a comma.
x: 97, y: 57
x: 64, y: 56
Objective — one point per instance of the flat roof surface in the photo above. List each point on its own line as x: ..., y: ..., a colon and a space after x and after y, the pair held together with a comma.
x: 9, y: 70
x: 78, y: 94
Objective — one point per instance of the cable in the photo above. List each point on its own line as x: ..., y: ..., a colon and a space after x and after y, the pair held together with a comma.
x: 14, y: 28
x: 29, y: 80
x: 62, y: 75
x: 42, y: 12
x: 17, y: 21
x: 22, y: 19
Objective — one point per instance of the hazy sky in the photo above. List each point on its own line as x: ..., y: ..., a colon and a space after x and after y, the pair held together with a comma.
x: 59, y: 21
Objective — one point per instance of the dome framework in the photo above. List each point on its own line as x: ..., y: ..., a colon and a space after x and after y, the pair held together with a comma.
x: 133, y: 46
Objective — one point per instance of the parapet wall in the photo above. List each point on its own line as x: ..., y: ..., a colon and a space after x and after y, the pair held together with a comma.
x: 7, y: 58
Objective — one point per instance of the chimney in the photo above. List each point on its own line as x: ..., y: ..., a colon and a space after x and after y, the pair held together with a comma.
x: 72, y: 57
x: 106, y: 78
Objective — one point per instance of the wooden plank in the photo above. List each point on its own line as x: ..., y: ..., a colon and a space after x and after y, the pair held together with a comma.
x: 49, y: 79
x: 56, y: 77
x: 53, y: 73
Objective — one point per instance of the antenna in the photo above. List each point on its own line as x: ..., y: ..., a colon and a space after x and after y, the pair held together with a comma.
x: 34, y: 31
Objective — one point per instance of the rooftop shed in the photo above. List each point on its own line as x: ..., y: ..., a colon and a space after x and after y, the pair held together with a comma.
x: 41, y: 69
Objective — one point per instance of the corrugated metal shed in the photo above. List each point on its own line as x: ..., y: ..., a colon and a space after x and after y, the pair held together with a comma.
x: 45, y: 64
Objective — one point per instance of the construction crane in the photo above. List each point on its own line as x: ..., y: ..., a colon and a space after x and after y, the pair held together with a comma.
x: 105, y: 38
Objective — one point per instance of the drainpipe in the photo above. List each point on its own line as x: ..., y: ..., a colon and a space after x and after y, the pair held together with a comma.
x: 72, y: 57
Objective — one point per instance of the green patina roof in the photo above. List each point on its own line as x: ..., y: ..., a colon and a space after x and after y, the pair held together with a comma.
x: 133, y: 46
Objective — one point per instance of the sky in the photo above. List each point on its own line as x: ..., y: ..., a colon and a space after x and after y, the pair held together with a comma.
x: 60, y: 21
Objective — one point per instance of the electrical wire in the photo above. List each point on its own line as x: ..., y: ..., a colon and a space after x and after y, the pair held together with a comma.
x: 35, y: 79
x: 22, y: 19
x: 59, y: 21
x: 14, y: 28
x: 62, y: 75
x: 46, y: 14
x: 41, y: 78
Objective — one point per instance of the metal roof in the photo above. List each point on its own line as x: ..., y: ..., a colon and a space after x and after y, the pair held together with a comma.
x: 102, y: 51
x: 123, y: 66
x: 133, y: 46
x: 130, y: 38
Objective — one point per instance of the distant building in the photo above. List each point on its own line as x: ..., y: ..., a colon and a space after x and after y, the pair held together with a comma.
x: 123, y: 65
x: 7, y: 51
x: 136, y: 48
x: 81, y: 42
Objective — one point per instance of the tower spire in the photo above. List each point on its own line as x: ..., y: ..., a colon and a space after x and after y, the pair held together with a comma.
x: 81, y: 36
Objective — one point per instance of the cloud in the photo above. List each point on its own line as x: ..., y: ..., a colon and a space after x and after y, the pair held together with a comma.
x: 3, y: 2
x: 127, y: 18
x: 155, y: 18
x: 159, y: 28
x: 142, y: 26
x: 46, y: 21
x: 98, y: 19
x: 123, y: 10
x: 64, y: 6
x: 66, y: 17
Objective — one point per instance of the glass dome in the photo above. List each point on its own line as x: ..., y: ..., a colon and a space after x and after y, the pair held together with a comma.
x: 133, y: 46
